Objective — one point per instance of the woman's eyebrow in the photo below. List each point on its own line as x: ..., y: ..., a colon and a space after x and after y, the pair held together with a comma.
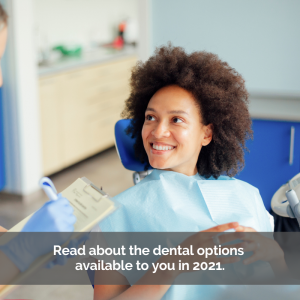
x: 177, y: 112
x: 169, y: 112
x: 151, y: 109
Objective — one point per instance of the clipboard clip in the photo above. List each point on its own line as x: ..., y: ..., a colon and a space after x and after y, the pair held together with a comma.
x: 94, y: 192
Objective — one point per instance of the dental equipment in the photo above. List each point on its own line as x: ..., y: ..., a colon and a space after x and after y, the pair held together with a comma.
x: 285, y: 201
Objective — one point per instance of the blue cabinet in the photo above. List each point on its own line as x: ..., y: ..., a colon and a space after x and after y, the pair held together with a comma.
x: 267, y: 166
x: 2, y: 166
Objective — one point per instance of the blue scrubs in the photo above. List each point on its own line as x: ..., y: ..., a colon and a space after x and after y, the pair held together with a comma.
x: 167, y: 201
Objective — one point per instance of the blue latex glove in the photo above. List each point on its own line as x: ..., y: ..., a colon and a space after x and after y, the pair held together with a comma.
x: 53, y: 216
x: 62, y: 259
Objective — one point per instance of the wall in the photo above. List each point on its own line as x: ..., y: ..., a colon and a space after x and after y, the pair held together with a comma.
x: 79, y: 21
x: 20, y: 102
x: 260, y: 39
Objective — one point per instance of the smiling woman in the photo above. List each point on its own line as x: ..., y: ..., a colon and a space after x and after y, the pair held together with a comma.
x: 191, y: 122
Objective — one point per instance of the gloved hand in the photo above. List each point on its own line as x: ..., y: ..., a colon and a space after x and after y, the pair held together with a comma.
x: 54, y: 216
x: 62, y: 259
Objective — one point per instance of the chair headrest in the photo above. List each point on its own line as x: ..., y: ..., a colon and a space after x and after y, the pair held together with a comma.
x: 124, y: 145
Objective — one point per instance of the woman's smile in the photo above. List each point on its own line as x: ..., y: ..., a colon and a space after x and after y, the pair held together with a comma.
x: 160, y: 148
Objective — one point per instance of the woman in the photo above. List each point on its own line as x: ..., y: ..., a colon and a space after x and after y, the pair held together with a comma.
x: 191, y: 123
x: 19, y: 253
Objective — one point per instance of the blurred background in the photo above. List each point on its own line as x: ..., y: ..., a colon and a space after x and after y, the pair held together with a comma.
x: 66, y: 76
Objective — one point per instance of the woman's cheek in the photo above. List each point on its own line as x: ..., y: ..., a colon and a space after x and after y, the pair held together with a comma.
x: 182, y: 135
x: 145, y: 134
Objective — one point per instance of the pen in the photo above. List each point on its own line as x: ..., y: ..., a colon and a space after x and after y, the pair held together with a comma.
x: 47, y: 185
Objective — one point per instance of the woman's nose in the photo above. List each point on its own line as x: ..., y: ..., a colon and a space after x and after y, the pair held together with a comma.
x: 161, y: 130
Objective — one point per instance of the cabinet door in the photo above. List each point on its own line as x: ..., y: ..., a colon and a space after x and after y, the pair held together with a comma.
x: 268, y: 165
x: 50, y: 101
x: 73, y: 117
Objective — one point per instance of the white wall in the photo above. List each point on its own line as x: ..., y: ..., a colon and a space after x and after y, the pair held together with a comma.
x: 145, y: 43
x: 20, y: 102
x: 259, y: 38
x: 79, y: 21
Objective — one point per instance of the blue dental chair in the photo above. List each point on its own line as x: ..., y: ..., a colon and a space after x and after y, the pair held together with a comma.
x: 124, y: 146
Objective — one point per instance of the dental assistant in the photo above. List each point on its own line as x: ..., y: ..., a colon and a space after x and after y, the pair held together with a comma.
x: 53, y: 216
x: 191, y: 122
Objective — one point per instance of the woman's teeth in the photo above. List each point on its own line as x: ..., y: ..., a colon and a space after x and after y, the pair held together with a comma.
x: 162, y: 147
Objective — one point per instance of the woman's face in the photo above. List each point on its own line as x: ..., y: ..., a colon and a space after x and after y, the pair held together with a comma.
x: 173, y: 133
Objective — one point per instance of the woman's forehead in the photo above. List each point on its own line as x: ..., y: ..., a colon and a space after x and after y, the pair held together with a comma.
x: 173, y: 98
x: 173, y: 89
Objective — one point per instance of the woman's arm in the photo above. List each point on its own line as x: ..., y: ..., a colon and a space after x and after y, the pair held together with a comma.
x: 139, y: 291
x: 142, y: 290
x: 104, y: 292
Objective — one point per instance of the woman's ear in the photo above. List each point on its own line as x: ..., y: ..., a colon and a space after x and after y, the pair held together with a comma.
x: 208, y: 133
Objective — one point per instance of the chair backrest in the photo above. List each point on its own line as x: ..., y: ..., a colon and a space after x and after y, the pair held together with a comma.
x: 124, y: 145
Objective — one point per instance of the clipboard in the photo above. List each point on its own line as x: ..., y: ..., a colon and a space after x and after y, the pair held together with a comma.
x: 91, y: 205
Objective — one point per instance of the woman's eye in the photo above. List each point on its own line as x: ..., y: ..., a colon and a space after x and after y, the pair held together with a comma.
x: 150, y: 118
x: 177, y: 120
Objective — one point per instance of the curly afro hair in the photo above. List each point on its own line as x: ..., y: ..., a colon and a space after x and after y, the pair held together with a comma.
x: 217, y: 88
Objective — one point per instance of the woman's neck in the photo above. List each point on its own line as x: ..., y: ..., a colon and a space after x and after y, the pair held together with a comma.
x: 187, y: 172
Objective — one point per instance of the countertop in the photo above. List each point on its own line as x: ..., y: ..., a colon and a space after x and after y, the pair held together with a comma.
x: 96, y: 56
x: 282, y: 107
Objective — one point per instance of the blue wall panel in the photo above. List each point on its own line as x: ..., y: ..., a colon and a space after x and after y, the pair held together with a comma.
x: 267, y: 165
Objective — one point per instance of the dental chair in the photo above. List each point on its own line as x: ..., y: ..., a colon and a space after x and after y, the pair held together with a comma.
x: 124, y: 145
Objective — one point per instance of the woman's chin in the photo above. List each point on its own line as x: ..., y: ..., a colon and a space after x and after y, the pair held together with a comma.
x: 159, y: 165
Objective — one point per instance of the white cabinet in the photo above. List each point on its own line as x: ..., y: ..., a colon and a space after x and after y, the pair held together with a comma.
x: 79, y: 110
